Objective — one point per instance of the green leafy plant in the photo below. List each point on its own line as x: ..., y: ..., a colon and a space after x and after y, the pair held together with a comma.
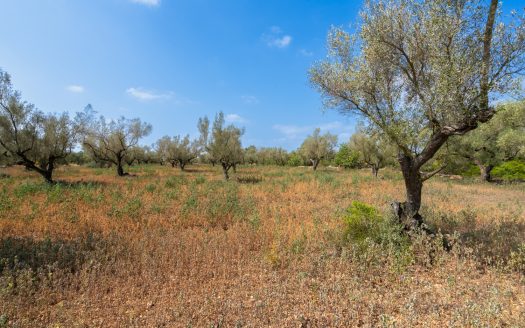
x: 510, y: 171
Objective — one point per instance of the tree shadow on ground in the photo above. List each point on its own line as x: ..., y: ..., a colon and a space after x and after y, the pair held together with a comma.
x: 492, y: 242
x: 22, y: 253
x: 81, y: 183
x: 197, y: 170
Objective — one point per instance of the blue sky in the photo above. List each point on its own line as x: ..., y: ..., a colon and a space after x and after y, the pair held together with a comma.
x: 170, y: 62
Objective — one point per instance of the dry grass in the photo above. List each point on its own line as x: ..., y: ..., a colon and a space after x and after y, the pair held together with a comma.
x: 166, y: 248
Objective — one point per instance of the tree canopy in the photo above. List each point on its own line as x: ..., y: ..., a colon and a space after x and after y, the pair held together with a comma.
x: 420, y: 72
x: 223, y: 145
x: 31, y: 138
x: 111, y: 141
x: 501, y: 139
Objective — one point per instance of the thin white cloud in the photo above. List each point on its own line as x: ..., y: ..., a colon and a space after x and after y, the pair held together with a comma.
x: 291, y: 131
x: 234, y: 118
x: 146, y: 95
x: 279, y: 42
x: 276, y: 38
x: 249, y: 100
x: 149, y: 3
x: 301, y: 131
x: 75, y: 88
x: 306, y: 53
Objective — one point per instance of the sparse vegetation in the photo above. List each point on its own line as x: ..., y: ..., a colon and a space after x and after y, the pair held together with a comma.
x: 302, y: 237
x: 259, y: 247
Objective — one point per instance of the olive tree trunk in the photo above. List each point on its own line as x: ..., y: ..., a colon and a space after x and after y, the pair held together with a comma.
x: 485, y: 171
x: 408, y: 211
x: 225, y: 168
x: 315, y: 163
x: 375, y: 170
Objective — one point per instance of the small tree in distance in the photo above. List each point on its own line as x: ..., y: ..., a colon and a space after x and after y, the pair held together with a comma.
x: 223, y: 145
x: 317, y: 147
x: 111, y: 141
x: 184, y: 150
x: 373, y: 150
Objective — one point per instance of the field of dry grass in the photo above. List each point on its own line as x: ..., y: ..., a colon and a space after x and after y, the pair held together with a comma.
x: 165, y: 248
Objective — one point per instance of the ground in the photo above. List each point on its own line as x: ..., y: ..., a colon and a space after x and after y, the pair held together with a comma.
x: 165, y: 248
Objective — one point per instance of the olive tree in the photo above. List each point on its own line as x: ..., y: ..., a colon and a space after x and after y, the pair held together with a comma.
x: 421, y: 72
x: 251, y: 155
x: 223, y: 144
x: 165, y: 151
x: 501, y: 139
x: 317, y: 147
x: 272, y: 156
x: 31, y: 138
x: 373, y: 149
x: 143, y: 154
x: 178, y: 151
x: 111, y: 141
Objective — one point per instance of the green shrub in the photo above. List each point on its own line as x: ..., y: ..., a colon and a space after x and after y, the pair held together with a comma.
x: 200, y: 179
x: 29, y: 188
x: 295, y: 160
x: 471, y: 171
x: 517, y: 259
x: 175, y: 181
x: 347, y: 158
x: 6, y: 203
x: 510, y: 171
x: 374, y: 236
x: 362, y: 222
x: 151, y: 187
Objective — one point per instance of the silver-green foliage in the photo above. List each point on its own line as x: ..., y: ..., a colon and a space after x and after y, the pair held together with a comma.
x: 501, y: 139
x: 110, y: 141
x: 223, y: 145
x: 422, y: 71
x: 30, y: 137
x: 317, y: 147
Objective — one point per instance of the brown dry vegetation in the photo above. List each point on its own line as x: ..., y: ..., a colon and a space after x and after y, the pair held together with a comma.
x: 166, y: 248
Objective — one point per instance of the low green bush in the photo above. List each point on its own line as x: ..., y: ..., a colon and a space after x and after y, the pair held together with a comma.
x: 373, y: 235
x: 362, y: 221
x: 510, y: 171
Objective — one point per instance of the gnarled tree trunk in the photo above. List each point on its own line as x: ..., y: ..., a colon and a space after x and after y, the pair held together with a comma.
x: 485, y: 171
x: 315, y: 163
x: 375, y: 170
x: 225, y: 169
x: 408, y: 211
x: 120, y: 168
